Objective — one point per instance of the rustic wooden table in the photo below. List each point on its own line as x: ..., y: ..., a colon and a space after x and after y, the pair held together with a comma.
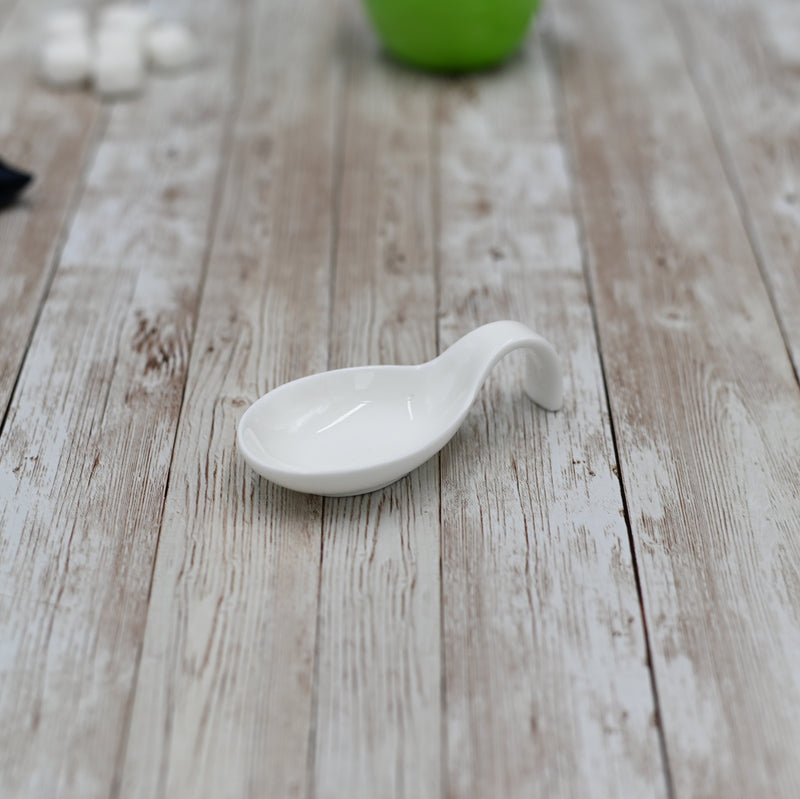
x: 602, y: 602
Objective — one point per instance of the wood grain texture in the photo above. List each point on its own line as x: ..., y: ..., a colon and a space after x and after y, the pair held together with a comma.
x: 223, y: 705
x: 745, y: 59
x: 506, y: 621
x: 50, y: 134
x: 547, y: 685
x: 705, y: 405
x: 86, y: 450
x: 378, y: 704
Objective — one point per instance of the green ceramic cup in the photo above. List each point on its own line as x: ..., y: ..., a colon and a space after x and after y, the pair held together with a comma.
x: 451, y: 35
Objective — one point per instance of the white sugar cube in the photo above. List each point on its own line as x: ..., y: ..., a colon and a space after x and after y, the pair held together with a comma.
x: 123, y: 44
x: 66, y: 22
x: 113, y: 39
x: 125, y: 17
x: 170, y: 46
x: 118, y: 71
x: 66, y: 61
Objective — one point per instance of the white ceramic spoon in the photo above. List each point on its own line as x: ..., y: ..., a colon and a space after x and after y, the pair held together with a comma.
x: 355, y: 430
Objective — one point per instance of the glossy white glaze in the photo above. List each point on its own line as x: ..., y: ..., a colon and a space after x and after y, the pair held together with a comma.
x: 355, y: 430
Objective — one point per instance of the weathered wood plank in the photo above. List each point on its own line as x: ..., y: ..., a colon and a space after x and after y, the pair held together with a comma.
x: 705, y: 405
x: 745, y: 59
x: 378, y: 719
x: 223, y: 706
x: 6, y: 7
x: 85, y: 455
x: 50, y: 134
x: 546, y: 683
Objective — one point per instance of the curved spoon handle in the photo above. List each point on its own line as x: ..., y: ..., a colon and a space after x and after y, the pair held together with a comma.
x: 486, y: 345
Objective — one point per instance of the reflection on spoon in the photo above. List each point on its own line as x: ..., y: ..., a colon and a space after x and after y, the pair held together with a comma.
x: 345, y: 415
x: 355, y: 430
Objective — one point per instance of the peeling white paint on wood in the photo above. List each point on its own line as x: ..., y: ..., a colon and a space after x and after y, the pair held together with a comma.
x: 172, y: 625
x: 378, y: 699
x: 86, y: 448
x: 707, y: 414
x: 223, y: 704
x: 540, y: 604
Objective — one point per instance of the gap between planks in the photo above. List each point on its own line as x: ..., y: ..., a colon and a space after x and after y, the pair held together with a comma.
x: 547, y: 41
x: 38, y: 223
x: 704, y: 399
x: 738, y: 61
x: 544, y: 487
x: 97, y: 658
x: 242, y: 56
x: 263, y: 319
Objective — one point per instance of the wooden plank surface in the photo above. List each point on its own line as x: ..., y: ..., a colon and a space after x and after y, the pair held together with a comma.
x: 86, y: 450
x: 599, y: 602
x: 745, y: 57
x: 378, y: 674
x: 223, y: 705
x: 705, y: 405
x: 547, y: 686
x: 52, y: 135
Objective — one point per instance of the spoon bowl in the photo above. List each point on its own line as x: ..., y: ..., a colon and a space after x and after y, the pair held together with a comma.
x: 350, y: 431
